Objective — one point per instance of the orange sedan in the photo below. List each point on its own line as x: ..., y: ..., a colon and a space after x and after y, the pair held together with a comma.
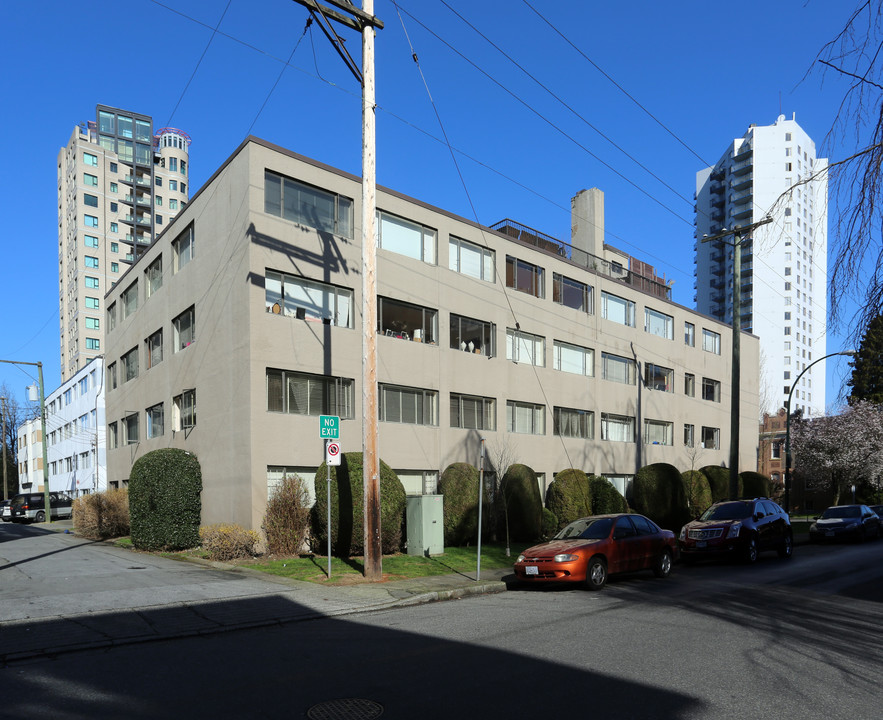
x: 591, y: 548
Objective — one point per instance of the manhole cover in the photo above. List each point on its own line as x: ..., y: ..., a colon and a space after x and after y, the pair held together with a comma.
x: 346, y: 709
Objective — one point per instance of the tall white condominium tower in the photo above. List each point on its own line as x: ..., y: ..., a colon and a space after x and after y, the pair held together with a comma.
x: 119, y: 184
x: 771, y: 169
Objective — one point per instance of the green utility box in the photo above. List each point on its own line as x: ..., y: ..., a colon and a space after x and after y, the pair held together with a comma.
x: 425, y: 518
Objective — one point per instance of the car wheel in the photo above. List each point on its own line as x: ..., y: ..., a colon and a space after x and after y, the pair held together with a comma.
x: 662, y: 566
x: 40, y: 516
x: 751, y: 550
x: 596, y: 574
x: 786, y: 549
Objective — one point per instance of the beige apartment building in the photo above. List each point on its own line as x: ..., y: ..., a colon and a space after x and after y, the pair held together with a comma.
x: 241, y: 324
x: 119, y: 185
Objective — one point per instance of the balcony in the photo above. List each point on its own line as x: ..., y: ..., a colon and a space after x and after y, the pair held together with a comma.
x: 139, y: 180
x: 742, y: 167
x: 717, y: 188
x: 742, y: 213
x: 718, y: 174
x: 742, y: 182
x: 743, y: 152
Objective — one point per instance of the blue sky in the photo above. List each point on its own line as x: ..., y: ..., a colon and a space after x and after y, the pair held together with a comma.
x: 703, y: 70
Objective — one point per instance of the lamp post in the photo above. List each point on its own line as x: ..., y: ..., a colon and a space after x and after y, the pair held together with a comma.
x: 788, y: 424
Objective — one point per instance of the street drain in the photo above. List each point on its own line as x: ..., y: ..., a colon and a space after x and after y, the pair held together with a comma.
x: 346, y: 709
x: 135, y: 567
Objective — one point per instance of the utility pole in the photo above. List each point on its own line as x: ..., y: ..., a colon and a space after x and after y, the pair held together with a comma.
x: 5, y: 491
x: 736, y: 372
x: 364, y: 22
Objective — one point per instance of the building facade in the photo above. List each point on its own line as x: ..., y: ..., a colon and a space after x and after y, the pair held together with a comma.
x: 30, y: 456
x: 771, y: 448
x: 119, y: 184
x: 771, y: 170
x: 241, y: 325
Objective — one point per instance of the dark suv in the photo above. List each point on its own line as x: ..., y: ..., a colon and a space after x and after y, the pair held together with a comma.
x: 31, y: 507
x: 742, y: 528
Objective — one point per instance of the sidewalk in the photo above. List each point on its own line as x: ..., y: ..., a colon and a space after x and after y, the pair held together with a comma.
x: 293, y: 602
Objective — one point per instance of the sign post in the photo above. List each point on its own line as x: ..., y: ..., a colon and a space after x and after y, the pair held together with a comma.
x: 329, y: 431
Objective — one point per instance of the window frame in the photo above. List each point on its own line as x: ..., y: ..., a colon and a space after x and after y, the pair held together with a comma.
x: 584, y: 419
x: 487, y: 259
x: 652, y: 317
x: 588, y: 357
x: 518, y: 270
x: 537, y: 417
x: 399, y: 326
x: 631, y: 373
x: 561, y: 282
x: 484, y: 410
x: 629, y: 308
x: 184, y: 335
x: 428, y: 251
x: 665, y: 426
x: 623, y: 421
x: 516, y: 339
x: 335, y: 394
x: 334, y: 300
x: 275, y: 203
x: 428, y: 400
x: 460, y: 339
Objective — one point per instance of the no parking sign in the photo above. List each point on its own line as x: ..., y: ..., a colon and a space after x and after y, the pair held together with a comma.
x: 332, y: 453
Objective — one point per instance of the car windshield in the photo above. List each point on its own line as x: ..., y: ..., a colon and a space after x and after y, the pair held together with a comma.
x: 842, y: 512
x: 727, y: 511
x: 586, y: 529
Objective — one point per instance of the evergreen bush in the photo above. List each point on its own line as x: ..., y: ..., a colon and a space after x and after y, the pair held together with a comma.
x: 164, y: 502
x: 550, y: 524
x: 287, y: 522
x: 569, y: 496
x: 102, y: 515
x: 459, y: 486
x: 719, y: 481
x: 658, y: 493
x: 605, y: 497
x: 522, y: 503
x: 698, y: 491
x: 754, y: 484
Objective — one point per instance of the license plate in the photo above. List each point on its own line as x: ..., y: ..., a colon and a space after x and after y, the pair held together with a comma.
x: 829, y: 533
x: 701, y: 543
x: 531, y: 570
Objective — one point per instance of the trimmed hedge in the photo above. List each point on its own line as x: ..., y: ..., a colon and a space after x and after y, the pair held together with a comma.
x: 550, y: 524
x: 102, y: 515
x: 658, y: 493
x: 164, y: 504
x: 348, y: 509
x: 605, y: 497
x: 754, y: 484
x: 523, y: 503
x: 459, y: 485
x: 719, y: 481
x: 569, y: 496
x: 698, y: 491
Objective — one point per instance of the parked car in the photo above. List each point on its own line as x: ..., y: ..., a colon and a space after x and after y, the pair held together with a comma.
x: 31, y: 507
x: 589, y: 549
x: 5, y: 510
x: 739, y: 528
x: 851, y: 522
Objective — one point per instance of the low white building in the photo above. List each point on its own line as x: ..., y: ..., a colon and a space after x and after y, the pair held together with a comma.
x: 30, y: 456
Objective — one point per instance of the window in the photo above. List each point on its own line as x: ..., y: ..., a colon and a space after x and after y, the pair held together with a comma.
x: 90, y: 159
x: 525, y: 277
x: 303, y: 394
x: 153, y: 276
x: 158, y: 200
x: 159, y: 219
x: 689, y: 385
x: 173, y: 204
x: 184, y: 410
x: 114, y: 227
x: 112, y: 376
x: 114, y: 267
x: 617, y: 428
x: 173, y: 164
x: 471, y: 259
x: 92, y: 303
x: 617, y: 309
x: 173, y: 185
x: 113, y: 167
x: 112, y: 437
x: 154, y: 349
x: 526, y: 348
x: 572, y: 293
x: 711, y: 341
x: 568, y: 422
x: 90, y: 200
x: 406, y: 321
x: 93, y: 344
x: 183, y: 167
x: 711, y: 390
x: 91, y: 262
x: 689, y: 334
x: 658, y: 432
x: 776, y: 450
x: 129, y: 300
x: 659, y: 378
x: 185, y: 329
x: 129, y: 361
x: 184, y: 188
x: 112, y: 316
x: 657, y: 323
x: 412, y: 406
x: 114, y: 247
x: 114, y: 187
x: 92, y: 323
x: 688, y: 435
x: 91, y: 282
x: 90, y: 221
x: 182, y: 248
x: 308, y: 300
x: 405, y: 237
x: 617, y: 369
x: 90, y: 180
x: 91, y: 241
x: 573, y: 359
x: 711, y: 438
x: 473, y: 412
x: 310, y: 206
x: 527, y: 418
x: 154, y: 421
x: 473, y: 336
x: 159, y: 181
x: 130, y: 429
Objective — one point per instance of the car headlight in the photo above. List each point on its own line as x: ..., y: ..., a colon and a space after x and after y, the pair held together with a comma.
x: 566, y: 557
x: 735, y: 528
x: 683, y: 535
x: 520, y: 558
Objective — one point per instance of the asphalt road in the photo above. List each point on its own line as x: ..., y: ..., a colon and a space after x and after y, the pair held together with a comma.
x: 798, y: 638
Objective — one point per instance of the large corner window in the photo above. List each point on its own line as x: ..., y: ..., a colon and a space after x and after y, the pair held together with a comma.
x: 470, y: 259
x: 405, y: 237
x: 527, y: 418
x: 572, y: 293
x: 525, y: 277
x: 185, y: 328
x: 657, y: 323
x: 573, y: 359
x: 619, y: 310
x: 412, y: 406
x: 305, y: 299
x: 658, y: 432
x: 617, y: 428
x: 659, y: 378
x: 473, y: 412
x: 182, y: 249
x: 473, y: 336
x: 569, y: 422
x: 184, y: 410
x: 305, y: 394
x: 406, y: 321
x: 307, y: 205
x: 618, y: 369
x: 522, y: 347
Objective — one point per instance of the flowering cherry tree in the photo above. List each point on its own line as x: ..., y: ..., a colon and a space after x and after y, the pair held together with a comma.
x: 838, y: 450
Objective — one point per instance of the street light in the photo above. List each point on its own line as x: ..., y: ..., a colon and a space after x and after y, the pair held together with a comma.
x: 788, y: 423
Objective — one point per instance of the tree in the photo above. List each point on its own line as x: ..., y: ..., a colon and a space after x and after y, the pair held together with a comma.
x: 15, y: 415
x: 867, y: 366
x: 501, y: 455
x: 837, y: 451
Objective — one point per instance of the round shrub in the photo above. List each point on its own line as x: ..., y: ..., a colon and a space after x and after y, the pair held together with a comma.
x: 754, y: 484
x: 719, y: 481
x: 164, y: 504
x: 522, y: 503
x: 287, y: 522
x: 550, y: 524
x: 102, y: 515
x: 698, y: 492
x: 459, y: 485
x: 569, y: 496
x: 227, y: 541
x: 658, y: 493
x: 347, y: 508
x: 605, y: 497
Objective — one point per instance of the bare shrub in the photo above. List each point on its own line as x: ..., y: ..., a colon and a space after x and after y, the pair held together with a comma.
x: 287, y: 522
x: 102, y: 515
x: 227, y: 541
